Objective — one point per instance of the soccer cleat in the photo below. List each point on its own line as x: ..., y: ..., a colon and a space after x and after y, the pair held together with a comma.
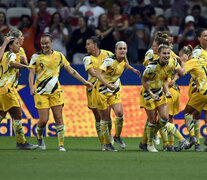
x: 26, y: 146
x: 205, y: 142
x: 151, y: 148
x: 110, y: 147
x: 103, y: 147
x: 182, y: 144
x: 111, y: 139
x: 156, y: 139
x: 168, y: 148
x: 120, y: 142
x: 61, y: 148
x: 193, y: 141
x: 198, y: 148
x: 41, y: 144
x: 143, y: 146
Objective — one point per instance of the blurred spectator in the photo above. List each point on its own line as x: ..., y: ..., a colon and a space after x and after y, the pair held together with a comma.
x: 146, y: 11
x: 186, y: 34
x: 63, y: 9
x: 179, y: 10
x: 78, y: 39
x: 162, y: 4
x: 92, y: 11
x: 137, y: 39
x: 200, y: 21
x: 161, y: 25
x: 43, y: 20
x: 59, y: 33
x: 28, y: 31
x: 4, y: 29
x: 118, y: 20
x: 108, y: 34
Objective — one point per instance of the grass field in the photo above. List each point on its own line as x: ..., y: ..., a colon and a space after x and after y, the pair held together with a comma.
x: 84, y: 160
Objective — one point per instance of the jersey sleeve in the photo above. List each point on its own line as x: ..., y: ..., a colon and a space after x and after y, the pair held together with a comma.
x: 196, y: 53
x: 12, y: 57
x: 188, y: 66
x: 106, y: 63
x: 149, y: 71
x: 148, y: 57
x: 87, y: 62
x: 32, y: 63
x: 64, y: 61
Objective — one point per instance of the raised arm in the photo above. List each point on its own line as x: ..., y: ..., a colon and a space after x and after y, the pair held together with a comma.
x: 76, y: 75
x: 3, y: 47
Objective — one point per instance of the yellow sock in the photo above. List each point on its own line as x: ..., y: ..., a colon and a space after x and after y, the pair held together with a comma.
x: 40, y: 132
x: 98, y: 130
x: 118, y: 125
x: 19, y: 132
x: 110, y: 125
x: 144, y: 138
x: 105, y: 131
x: 150, y: 133
x: 60, y: 133
x: 189, y: 124
x: 164, y: 135
x: 197, y: 130
x: 171, y: 139
x: 173, y: 130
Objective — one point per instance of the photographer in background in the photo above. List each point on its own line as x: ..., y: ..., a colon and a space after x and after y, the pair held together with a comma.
x: 59, y: 33
x: 137, y: 37
x: 186, y: 35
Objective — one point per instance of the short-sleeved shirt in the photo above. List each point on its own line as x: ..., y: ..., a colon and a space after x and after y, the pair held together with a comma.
x: 47, y: 70
x: 113, y: 69
x: 95, y: 62
x: 7, y: 73
x: 197, y: 68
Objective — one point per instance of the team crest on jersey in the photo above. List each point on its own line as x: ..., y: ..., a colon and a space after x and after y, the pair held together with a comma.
x: 148, y: 104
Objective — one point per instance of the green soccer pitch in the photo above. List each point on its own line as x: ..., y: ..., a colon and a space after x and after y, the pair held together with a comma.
x: 84, y: 160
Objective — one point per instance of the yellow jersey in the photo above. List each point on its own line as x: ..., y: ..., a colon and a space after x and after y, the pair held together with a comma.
x: 95, y: 62
x: 197, y: 68
x: 7, y: 73
x: 113, y: 69
x: 47, y: 69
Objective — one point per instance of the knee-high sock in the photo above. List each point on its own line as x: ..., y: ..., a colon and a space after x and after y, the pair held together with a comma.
x: 197, y: 129
x: 19, y: 132
x: 105, y: 131
x: 164, y: 135
x: 144, y: 138
x: 110, y: 125
x: 189, y: 124
x: 173, y: 130
x: 171, y: 139
x: 150, y: 133
x: 60, y: 134
x: 118, y: 125
x: 40, y: 132
x: 98, y: 130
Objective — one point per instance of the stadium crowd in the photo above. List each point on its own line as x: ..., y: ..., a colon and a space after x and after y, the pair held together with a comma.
x: 71, y: 22
x: 169, y: 42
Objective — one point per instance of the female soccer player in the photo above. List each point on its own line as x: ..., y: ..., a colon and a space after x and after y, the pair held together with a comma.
x: 107, y: 90
x: 92, y: 61
x: 8, y: 95
x: 152, y: 98
x: 47, y: 90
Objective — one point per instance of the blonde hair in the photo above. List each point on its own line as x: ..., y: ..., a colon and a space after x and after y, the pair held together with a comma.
x: 187, y: 50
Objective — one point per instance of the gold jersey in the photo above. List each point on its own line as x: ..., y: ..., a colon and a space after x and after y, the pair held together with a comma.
x: 113, y: 69
x: 7, y: 73
x: 197, y: 68
x: 47, y: 69
x: 95, y: 62
x: 156, y: 75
